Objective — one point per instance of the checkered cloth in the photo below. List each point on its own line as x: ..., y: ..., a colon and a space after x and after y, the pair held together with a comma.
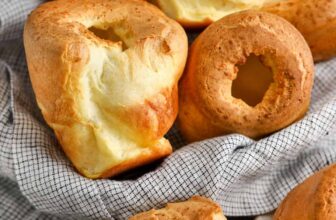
x: 246, y: 177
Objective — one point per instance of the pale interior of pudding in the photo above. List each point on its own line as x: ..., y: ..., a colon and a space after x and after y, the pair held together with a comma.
x: 252, y: 81
x: 118, y: 76
x: 109, y: 34
x: 208, y: 9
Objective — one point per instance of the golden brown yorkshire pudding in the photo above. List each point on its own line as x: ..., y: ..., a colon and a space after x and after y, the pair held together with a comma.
x: 315, y: 19
x: 313, y: 199
x: 226, y: 89
x: 105, y: 77
x: 196, y: 208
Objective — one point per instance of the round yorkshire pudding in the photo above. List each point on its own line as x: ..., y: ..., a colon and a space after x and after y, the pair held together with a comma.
x: 250, y: 73
x: 105, y: 77
x: 312, y: 199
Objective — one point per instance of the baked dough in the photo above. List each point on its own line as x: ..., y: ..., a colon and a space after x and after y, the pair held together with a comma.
x: 105, y: 78
x: 200, y: 13
x: 196, y: 208
x: 315, y: 19
x: 207, y: 106
x: 315, y: 198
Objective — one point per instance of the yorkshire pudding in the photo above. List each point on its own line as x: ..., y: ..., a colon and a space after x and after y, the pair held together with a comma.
x: 196, y: 208
x: 315, y: 19
x: 201, y: 13
x: 105, y: 78
x: 269, y: 95
x: 313, y: 199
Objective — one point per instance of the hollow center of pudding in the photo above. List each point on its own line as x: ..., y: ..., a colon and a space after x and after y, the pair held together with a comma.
x: 252, y: 81
x: 108, y: 34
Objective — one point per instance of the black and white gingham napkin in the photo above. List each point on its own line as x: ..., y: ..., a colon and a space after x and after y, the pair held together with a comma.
x: 246, y: 177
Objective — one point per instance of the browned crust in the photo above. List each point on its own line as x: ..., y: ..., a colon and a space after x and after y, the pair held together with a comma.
x: 164, y: 105
x: 196, y: 208
x: 57, y: 51
x: 312, y: 199
x: 315, y: 19
x: 205, y: 89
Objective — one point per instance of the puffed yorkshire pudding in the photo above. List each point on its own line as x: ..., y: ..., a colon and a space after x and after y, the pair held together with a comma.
x: 225, y: 89
x: 315, y: 19
x: 201, y: 13
x: 196, y: 208
x: 105, y: 77
x: 315, y: 198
